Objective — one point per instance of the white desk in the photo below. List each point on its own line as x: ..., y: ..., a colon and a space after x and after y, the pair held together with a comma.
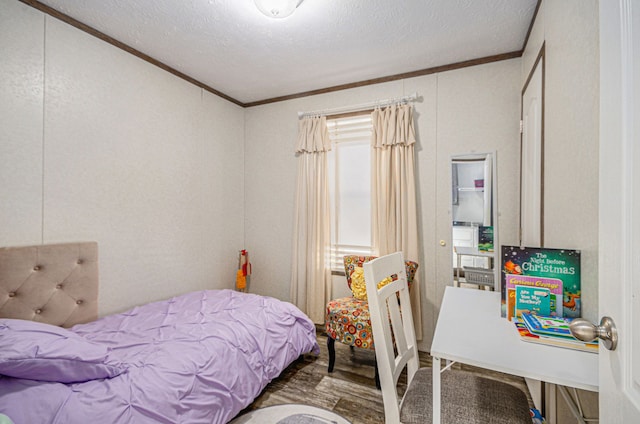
x: 471, y: 330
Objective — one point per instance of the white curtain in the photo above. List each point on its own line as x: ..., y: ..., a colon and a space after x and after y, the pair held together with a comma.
x: 394, y: 214
x: 311, y: 271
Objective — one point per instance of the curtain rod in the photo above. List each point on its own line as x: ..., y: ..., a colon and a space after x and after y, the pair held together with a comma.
x: 364, y: 106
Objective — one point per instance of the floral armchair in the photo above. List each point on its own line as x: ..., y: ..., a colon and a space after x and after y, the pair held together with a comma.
x: 347, y: 319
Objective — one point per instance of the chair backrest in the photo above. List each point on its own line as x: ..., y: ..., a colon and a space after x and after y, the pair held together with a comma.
x: 353, y: 261
x: 392, y: 325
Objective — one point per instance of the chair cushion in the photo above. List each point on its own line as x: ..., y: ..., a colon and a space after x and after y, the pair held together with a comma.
x: 348, y: 322
x: 359, y: 287
x: 466, y: 399
x: 351, y: 262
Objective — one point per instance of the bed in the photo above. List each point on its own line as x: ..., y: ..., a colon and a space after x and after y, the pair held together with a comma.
x: 201, y: 357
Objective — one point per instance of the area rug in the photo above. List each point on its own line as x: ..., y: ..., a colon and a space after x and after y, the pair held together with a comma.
x: 290, y: 414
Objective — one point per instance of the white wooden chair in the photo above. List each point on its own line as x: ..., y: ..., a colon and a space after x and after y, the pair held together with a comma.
x: 466, y: 397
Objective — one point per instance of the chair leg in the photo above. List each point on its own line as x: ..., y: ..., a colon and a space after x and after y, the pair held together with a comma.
x: 332, y: 352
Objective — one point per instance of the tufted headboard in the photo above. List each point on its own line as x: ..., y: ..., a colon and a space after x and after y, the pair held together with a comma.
x: 52, y: 283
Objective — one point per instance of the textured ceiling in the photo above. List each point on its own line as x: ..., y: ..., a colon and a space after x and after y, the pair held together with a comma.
x: 231, y: 47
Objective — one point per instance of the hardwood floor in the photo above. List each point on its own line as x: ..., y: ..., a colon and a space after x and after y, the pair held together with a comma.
x: 350, y: 389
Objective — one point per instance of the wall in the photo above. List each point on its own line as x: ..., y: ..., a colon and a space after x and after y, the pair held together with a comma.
x: 478, y: 112
x: 96, y: 144
x: 569, y: 31
x: 462, y: 111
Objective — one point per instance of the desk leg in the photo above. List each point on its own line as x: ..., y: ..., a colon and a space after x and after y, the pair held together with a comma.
x: 574, y: 404
x: 436, y: 389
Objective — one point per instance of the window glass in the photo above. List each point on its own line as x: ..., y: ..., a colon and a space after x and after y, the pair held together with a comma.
x: 350, y: 187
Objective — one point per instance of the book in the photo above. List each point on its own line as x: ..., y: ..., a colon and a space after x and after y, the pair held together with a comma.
x: 554, y: 286
x: 532, y: 300
x: 547, y: 326
x: 556, y: 269
x: 527, y: 336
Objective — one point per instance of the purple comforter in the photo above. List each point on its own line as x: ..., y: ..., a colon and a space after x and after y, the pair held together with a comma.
x: 197, y: 358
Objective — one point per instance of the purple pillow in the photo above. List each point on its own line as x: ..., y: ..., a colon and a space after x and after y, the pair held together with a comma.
x: 44, y: 352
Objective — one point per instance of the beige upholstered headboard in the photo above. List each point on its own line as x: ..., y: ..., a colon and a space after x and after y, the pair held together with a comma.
x: 55, y: 283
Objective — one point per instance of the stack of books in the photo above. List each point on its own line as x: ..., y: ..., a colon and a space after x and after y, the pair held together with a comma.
x: 552, y: 331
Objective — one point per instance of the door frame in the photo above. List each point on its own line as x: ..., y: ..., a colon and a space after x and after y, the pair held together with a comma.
x: 540, y: 59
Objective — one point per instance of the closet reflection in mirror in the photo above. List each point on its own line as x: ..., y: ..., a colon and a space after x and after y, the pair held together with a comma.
x: 472, y: 212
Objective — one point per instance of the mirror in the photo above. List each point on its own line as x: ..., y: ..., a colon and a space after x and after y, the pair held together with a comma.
x: 473, y: 219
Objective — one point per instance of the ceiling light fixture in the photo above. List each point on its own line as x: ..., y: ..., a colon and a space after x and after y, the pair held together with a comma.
x: 277, y: 8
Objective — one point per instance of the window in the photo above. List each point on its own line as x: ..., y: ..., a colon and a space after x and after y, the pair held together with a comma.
x: 349, y: 165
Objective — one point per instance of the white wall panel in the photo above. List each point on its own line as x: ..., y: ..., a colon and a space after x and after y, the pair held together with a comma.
x: 478, y: 112
x: 144, y: 163
x: 426, y: 116
x: 569, y: 30
x: 21, y: 67
x: 571, y: 137
x: 139, y: 160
